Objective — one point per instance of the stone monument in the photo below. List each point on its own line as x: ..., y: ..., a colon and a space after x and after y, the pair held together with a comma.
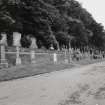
x: 17, y: 44
x: 55, y: 58
x: 3, y: 43
x: 33, y: 46
x: 70, y: 55
x: 65, y: 56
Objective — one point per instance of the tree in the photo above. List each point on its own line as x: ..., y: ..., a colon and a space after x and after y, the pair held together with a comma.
x: 52, y: 22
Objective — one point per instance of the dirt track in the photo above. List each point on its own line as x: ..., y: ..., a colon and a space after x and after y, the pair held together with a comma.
x: 79, y: 86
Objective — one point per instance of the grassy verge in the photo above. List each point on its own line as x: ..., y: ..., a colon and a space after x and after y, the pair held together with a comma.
x: 36, y: 69
x: 30, y: 70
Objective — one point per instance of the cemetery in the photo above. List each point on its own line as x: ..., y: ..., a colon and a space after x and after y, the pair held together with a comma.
x: 33, y: 53
x: 18, y: 62
x: 52, y: 52
x: 45, y: 37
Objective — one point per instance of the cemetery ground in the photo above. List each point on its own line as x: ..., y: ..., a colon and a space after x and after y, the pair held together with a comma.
x: 76, y: 86
x: 41, y: 67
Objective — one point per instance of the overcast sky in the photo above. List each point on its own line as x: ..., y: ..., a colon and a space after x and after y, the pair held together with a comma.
x: 96, y: 8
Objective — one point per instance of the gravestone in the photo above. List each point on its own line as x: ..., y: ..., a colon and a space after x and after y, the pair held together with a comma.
x: 33, y: 46
x: 33, y: 43
x: 17, y: 44
x: 70, y: 54
x: 16, y: 39
x: 3, y: 40
x: 65, y: 56
x: 3, y: 43
x: 55, y: 58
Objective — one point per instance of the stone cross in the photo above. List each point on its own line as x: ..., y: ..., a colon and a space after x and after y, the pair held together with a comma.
x: 17, y: 44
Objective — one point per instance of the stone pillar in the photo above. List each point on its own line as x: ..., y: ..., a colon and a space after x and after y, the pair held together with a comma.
x: 17, y: 44
x: 3, y: 43
x: 18, y: 59
x: 55, y: 58
x: 32, y: 47
x: 66, y: 58
x: 70, y: 55
x: 32, y: 55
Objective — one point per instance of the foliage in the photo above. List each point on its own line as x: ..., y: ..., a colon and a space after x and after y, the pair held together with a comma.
x: 52, y: 22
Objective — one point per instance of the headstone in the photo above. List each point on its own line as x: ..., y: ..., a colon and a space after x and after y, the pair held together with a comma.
x: 18, y: 59
x: 33, y: 46
x: 55, y: 58
x: 17, y: 44
x: 66, y: 58
x: 70, y: 54
x: 3, y: 43
x: 33, y: 43
x: 16, y: 39
x: 32, y: 53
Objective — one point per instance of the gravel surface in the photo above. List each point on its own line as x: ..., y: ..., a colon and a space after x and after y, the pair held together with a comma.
x: 78, y: 86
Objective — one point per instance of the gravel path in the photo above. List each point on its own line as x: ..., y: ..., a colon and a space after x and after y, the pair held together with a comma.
x: 79, y: 86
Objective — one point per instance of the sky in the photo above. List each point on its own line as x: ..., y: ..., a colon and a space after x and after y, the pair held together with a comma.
x: 96, y: 8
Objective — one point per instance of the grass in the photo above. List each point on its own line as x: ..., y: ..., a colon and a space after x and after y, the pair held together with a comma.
x: 30, y: 70
x: 44, y: 64
x: 22, y: 71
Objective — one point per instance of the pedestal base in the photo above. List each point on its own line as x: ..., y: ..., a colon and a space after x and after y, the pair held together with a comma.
x: 3, y: 63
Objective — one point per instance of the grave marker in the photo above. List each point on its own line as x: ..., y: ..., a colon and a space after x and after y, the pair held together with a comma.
x: 33, y: 46
x: 3, y: 43
x: 17, y: 44
x: 55, y: 58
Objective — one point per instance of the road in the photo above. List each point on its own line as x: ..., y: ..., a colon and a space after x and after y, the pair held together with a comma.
x: 78, y: 86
